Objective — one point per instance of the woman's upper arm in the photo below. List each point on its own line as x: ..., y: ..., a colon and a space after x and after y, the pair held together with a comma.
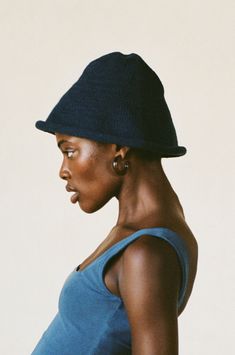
x: 149, y: 282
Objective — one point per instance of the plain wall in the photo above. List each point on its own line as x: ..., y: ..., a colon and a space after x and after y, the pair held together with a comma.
x: 45, y: 46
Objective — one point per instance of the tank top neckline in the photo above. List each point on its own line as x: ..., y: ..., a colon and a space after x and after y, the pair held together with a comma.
x: 122, y: 241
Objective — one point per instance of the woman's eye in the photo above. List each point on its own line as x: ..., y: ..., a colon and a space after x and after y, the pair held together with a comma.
x: 69, y: 153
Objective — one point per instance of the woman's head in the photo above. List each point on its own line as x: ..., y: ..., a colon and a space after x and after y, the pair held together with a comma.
x: 113, y: 116
x: 89, y: 170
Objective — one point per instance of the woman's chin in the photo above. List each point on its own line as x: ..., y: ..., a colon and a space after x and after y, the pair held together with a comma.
x: 91, y: 207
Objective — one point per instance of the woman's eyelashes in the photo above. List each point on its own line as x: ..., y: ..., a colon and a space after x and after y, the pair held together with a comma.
x: 69, y: 153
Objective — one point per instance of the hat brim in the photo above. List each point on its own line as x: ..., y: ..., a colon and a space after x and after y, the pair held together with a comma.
x: 164, y: 151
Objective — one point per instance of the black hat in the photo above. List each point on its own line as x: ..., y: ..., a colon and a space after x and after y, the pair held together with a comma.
x: 118, y: 99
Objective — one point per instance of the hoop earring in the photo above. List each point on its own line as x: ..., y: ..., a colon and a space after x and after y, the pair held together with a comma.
x: 120, y: 166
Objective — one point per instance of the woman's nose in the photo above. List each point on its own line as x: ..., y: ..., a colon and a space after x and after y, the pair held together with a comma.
x: 64, y: 173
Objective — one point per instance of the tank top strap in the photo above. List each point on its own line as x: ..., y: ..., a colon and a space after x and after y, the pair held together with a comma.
x: 166, y: 234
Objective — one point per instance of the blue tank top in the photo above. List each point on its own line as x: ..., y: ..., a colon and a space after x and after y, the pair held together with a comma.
x: 90, y: 319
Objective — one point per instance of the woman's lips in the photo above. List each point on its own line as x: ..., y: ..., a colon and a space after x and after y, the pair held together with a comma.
x: 74, y: 198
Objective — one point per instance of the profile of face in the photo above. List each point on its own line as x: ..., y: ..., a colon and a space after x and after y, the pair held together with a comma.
x: 87, y: 169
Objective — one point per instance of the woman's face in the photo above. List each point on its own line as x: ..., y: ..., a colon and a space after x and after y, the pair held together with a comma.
x: 87, y: 168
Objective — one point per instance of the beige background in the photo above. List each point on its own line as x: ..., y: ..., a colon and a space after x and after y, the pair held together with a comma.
x: 45, y: 45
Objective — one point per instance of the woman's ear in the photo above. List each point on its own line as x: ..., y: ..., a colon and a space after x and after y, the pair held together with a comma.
x: 122, y: 150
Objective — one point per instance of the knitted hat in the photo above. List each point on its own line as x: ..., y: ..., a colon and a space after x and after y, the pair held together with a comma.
x: 118, y: 99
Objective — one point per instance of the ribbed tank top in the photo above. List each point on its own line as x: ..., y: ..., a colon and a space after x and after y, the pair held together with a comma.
x: 90, y: 319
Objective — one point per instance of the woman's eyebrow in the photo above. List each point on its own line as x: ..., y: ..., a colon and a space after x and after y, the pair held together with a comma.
x: 62, y: 141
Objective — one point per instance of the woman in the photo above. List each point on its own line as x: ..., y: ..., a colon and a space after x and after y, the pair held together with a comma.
x: 113, y: 127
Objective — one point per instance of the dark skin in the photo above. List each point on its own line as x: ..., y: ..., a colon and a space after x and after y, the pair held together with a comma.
x: 146, y: 274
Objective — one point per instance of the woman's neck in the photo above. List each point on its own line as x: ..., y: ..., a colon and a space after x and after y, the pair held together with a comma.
x: 146, y: 196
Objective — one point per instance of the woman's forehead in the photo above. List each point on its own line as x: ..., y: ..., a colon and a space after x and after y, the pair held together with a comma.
x: 64, y: 138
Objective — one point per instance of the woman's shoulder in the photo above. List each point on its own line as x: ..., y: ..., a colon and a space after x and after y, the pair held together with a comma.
x: 179, y: 227
x: 146, y: 255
